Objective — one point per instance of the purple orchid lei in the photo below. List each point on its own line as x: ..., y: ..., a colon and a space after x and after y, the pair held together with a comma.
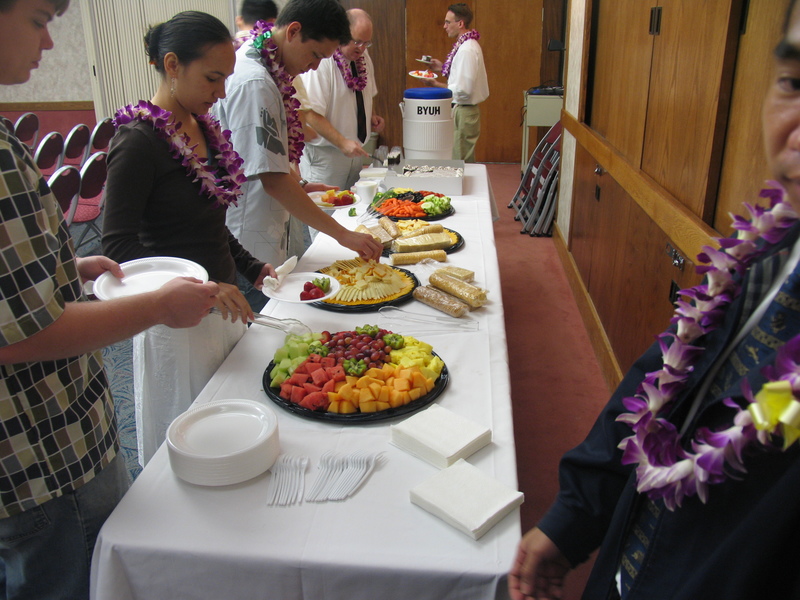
x: 665, y: 468
x: 224, y: 189
x: 262, y: 41
x: 357, y: 84
x: 467, y: 35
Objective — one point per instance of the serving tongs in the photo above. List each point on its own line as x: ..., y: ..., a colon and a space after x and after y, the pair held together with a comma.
x: 292, y: 326
x: 434, y: 323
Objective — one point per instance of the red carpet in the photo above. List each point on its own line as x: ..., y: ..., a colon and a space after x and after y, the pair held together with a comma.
x: 557, y: 388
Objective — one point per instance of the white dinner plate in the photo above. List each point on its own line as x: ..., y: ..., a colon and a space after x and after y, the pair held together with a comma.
x: 317, y: 198
x: 418, y: 75
x: 292, y: 285
x: 223, y: 442
x: 146, y: 275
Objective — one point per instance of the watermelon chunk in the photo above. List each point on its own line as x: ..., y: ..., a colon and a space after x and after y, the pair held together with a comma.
x: 336, y: 372
x: 286, y: 390
x: 330, y: 386
x: 298, y: 378
x: 310, y: 387
x: 298, y: 393
x: 320, y: 377
x: 328, y: 361
x: 315, y: 401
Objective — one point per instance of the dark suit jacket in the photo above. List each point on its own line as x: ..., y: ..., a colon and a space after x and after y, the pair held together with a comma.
x: 743, y: 543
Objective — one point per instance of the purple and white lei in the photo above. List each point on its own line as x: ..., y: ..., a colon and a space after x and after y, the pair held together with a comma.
x: 262, y: 41
x: 665, y: 468
x: 467, y: 35
x: 357, y: 84
x: 224, y: 189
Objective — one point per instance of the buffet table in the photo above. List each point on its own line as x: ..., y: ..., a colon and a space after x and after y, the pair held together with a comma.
x: 170, y: 539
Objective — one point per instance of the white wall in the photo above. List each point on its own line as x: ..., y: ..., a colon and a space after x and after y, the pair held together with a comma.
x: 572, y: 103
x: 64, y: 74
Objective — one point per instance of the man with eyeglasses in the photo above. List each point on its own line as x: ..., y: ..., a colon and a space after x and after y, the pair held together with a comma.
x: 340, y: 109
x: 466, y: 78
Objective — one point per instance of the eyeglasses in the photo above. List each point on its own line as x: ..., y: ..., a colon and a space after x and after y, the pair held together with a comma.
x: 361, y: 44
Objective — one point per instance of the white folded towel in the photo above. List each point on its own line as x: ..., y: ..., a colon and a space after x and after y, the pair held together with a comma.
x: 273, y: 283
x: 440, y: 436
x: 466, y: 498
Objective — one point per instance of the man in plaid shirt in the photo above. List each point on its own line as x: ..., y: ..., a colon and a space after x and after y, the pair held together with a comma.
x: 59, y: 479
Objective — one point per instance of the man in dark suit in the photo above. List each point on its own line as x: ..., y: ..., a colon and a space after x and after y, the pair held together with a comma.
x: 689, y: 481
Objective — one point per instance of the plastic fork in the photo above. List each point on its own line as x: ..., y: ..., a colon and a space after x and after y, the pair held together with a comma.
x: 398, y: 314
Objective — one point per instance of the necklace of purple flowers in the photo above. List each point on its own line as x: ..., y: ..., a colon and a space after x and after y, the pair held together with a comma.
x: 225, y: 189
x: 665, y: 468
x: 357, y: 84
x: 472, y: 34
x: 262, y: 41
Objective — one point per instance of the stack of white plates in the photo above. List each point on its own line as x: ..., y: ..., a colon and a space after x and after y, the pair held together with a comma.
x: 223, y: 442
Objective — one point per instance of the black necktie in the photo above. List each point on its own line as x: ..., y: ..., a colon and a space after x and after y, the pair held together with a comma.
x: 361, y: 115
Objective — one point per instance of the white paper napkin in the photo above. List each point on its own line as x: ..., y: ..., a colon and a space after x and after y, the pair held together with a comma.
x: 273, y: 283
x: 440, y: 436
x: 466, y: 498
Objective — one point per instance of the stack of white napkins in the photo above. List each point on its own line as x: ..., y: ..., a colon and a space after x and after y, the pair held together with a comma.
x: 273, y: 283
x: 466, y: 498
x: 440, y: 436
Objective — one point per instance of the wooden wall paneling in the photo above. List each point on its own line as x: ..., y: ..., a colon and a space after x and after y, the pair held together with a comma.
x: 644, y: 278
x: 620, y: 77
x: 612, y: 229
x: 691, y: 79
x: 388, y: 56
x: 744, y: 166
x: 584, y: 208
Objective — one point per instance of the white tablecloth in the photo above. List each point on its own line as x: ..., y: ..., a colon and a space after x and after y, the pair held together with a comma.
x: 172, y: 540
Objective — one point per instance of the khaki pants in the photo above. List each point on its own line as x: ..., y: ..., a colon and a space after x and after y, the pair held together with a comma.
x: 467, y: 129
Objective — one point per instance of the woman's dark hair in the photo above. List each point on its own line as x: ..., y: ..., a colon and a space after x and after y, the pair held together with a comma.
x: 60, y: 5
x: 188, y: 34
x: 321, y: 19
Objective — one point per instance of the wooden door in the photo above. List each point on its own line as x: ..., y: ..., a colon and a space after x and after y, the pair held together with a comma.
x: 620, y: 75
x: 690, y: 84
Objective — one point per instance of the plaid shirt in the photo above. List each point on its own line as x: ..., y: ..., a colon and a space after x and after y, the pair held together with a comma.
x: 57, y: 427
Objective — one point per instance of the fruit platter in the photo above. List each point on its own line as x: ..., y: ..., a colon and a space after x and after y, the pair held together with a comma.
x: 364, y: 375
x: 366, y: 285
x: 335, y: 199
x: 403, y: 203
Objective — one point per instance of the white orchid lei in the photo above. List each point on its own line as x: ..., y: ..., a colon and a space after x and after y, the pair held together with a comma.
x: 262, y: 41
x: 358, y: 83
x: 226, y: 188
x: 467, y: 35
x: 665, y: 468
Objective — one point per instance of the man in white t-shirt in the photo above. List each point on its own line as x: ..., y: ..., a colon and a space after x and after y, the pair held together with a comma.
x: 266, y: 132
x: 466, y: 78
x: 340, y: 109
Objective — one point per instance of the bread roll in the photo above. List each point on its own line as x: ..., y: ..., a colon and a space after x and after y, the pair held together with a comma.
x: 429, y: 241
x: 435, y: 228
x: 412, y: 258
x: 389, y: 226
x: 472, y: 295
x: 458, y: 273
x: 441, y: 301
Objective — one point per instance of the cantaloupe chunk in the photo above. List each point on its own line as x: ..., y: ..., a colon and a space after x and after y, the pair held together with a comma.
x: 334, y: 405
x: 339, y: 385
x: 414, y: 393
x: 365, y: 395
x: 369, y: 406
x: 402, y: 384
x: 375, y: 373
x: 395, y: 399
x: 382, y: 405
x: 405, y: 397
x: 346, y: 407
x: 347, y: 392
x: 334, y: 397
x: 383, y: 396
x: 351, y: 379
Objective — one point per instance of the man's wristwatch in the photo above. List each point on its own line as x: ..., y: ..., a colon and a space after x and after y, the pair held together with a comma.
x: 303, y: 183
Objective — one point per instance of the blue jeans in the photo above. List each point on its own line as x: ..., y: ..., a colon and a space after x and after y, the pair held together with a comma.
x: 46, y: 552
